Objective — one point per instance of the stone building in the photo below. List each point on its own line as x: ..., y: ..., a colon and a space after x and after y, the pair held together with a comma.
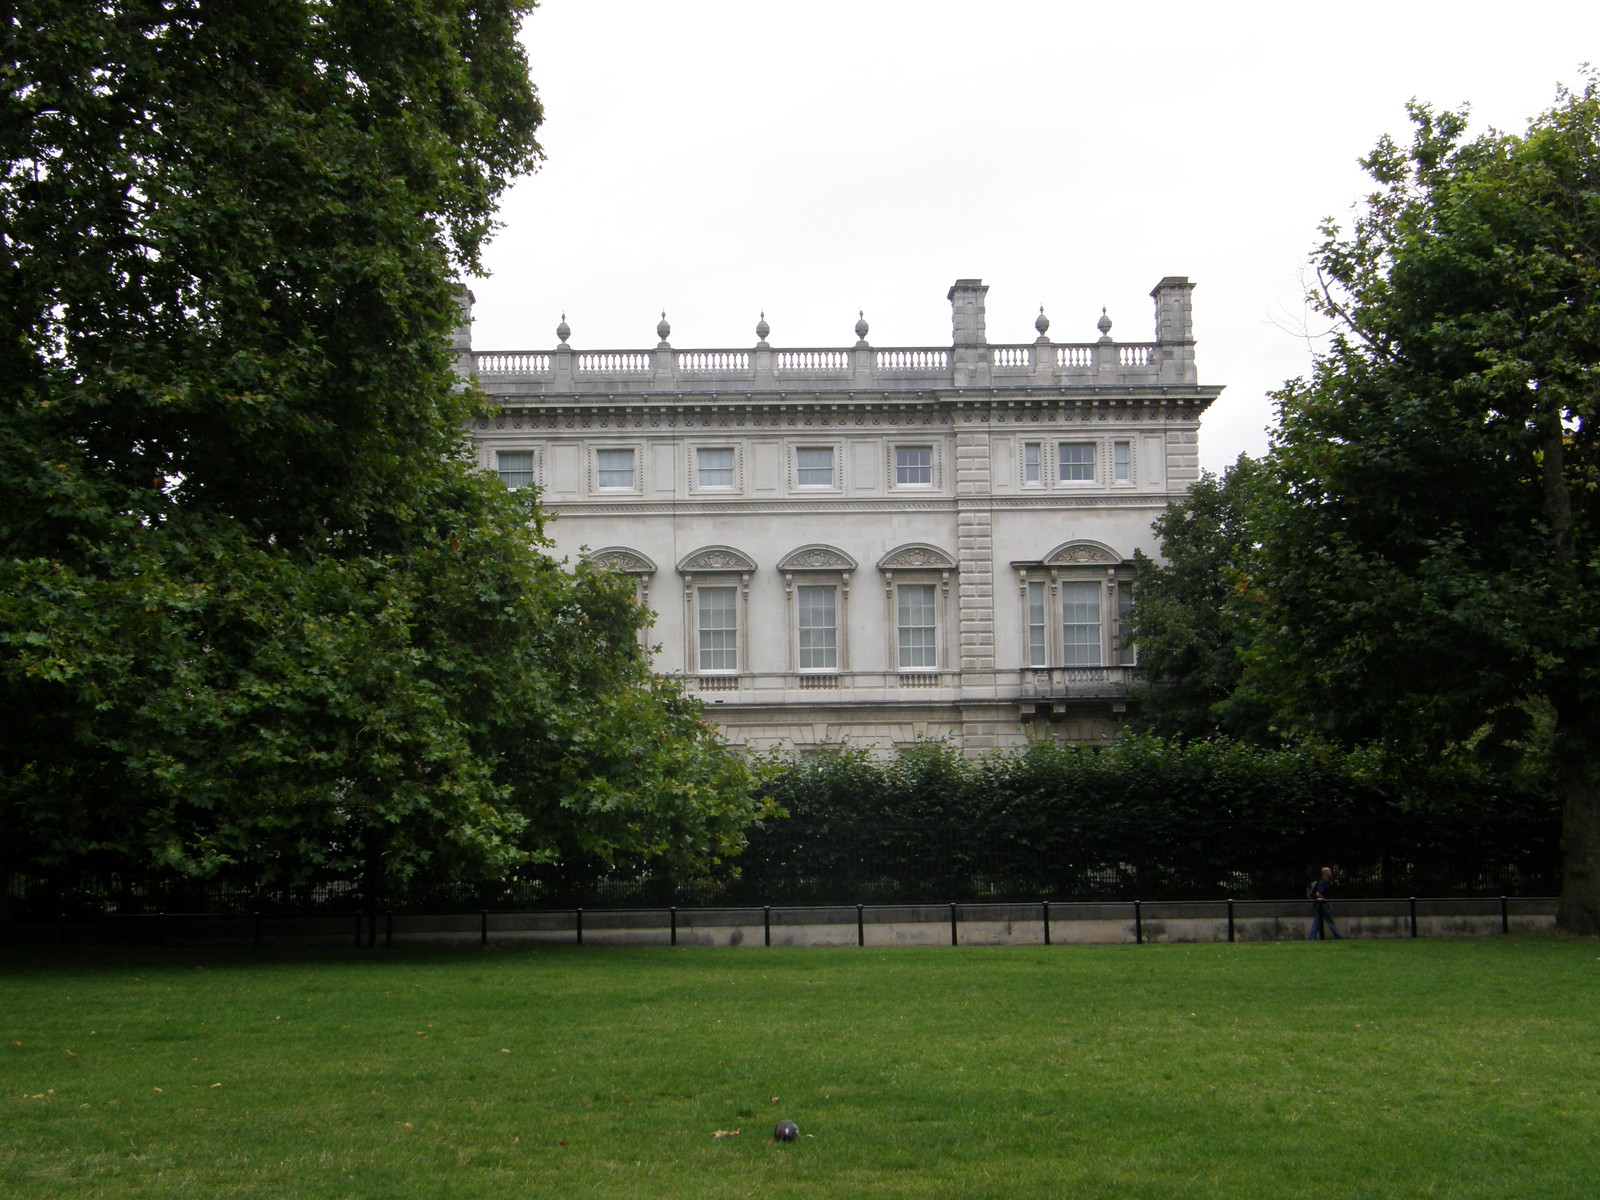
x: 865, y: 542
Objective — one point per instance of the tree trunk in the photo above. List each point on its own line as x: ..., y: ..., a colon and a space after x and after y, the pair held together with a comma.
x: 1578, y: 784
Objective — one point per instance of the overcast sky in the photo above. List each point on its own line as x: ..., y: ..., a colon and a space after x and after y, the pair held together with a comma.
x: 718, y: 159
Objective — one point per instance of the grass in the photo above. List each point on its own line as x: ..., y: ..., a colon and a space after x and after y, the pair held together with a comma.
x: 1357, y: 1069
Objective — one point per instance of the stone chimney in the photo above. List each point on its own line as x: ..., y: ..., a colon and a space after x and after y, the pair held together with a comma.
x: 966, y: 312
x: 1174, y: 297
x: 461, y: 335
x: 970, y: 355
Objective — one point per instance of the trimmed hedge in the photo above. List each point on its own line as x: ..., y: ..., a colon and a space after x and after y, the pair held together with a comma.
x: 1140, y: 817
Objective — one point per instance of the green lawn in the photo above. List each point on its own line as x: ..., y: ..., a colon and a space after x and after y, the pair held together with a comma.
x: 1380, y: 1069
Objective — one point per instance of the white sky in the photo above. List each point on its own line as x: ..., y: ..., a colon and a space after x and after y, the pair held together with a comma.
x: 716, y: 158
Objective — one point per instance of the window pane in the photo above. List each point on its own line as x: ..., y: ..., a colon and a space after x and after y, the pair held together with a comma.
x: 515, y: 468
x: 719, y: 628
x: 913, y: 464
x: 614, y: 468
x: 1075, y: 460
x: 1080, y: 624
x: 1036, y: 625
x: 1030, y: 461
x: 813, y: 466
x: 715, y: 468
x: 819, y: 629
x: 1121, y: 455
x: 914, y: 606
x: 1125, y: 651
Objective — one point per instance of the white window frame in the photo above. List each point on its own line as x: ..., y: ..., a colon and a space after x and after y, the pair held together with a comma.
x: 925, y: 592
x: 532, y: 472
x: 1036, y: 622
x: 635, y: 472
x: 1066, y: 462
x: 833, y: 629
x: 734, y: 653
x: 835, y: 467
x: 1076, y: 651
x: 1033, y: 473
x: 1124, y: 652
x: 697, y: 471
x: 1122, y: 461
x: 931, y: 466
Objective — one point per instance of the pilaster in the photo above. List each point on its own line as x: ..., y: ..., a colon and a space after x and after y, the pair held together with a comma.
x: 975, y: 558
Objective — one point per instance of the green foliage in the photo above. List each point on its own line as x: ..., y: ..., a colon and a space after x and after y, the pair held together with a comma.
x: 259, y: 615
x: 1429, y: 578
x: 1143, y: 817
x: 1185, y: 619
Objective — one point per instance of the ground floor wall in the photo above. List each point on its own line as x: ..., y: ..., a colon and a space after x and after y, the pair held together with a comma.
x: 976, y: 727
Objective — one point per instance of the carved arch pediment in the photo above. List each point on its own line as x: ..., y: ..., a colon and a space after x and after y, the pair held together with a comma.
x: 817, y: 557
x: 716, y: 558
x: 915, y: 555
x: 1082, y: 552
x: 622, y: 558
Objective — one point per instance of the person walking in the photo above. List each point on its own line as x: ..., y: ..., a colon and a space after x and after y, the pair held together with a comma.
x: 1322, y: 909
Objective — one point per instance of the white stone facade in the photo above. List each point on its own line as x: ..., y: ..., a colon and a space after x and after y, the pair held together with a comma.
x: 865, y: 543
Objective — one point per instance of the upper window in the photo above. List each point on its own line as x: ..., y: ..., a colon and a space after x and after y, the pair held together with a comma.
x: 1075, y: 461
x: 614, y: 469
x: 1032, y: 459
x: 813, y: 466
x: 515, y: 468
x: 714, y: 467
x: 913, y: 465
x: 1121, y: 462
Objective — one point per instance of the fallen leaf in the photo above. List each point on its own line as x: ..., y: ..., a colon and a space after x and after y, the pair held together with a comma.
x: 214, y: 1086
x: 722, y: 1133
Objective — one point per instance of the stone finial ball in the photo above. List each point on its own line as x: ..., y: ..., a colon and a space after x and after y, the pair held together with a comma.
x: 785, y: 1131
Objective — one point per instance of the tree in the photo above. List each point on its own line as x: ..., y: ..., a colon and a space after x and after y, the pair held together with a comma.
x: 1185, y: 618
x: 258, y: 612
x: 1430, y: 571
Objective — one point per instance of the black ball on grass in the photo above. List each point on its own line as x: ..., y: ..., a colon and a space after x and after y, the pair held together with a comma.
x: 785, y: 1131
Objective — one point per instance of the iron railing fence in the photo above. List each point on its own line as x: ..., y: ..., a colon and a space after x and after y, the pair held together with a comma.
x: 790, y: 863
x: 1045, y: 922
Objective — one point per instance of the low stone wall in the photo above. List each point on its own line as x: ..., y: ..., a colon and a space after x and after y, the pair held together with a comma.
x: 1102, y: 923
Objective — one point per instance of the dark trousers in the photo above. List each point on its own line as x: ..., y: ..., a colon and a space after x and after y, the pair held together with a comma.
x: 1322, y: 916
